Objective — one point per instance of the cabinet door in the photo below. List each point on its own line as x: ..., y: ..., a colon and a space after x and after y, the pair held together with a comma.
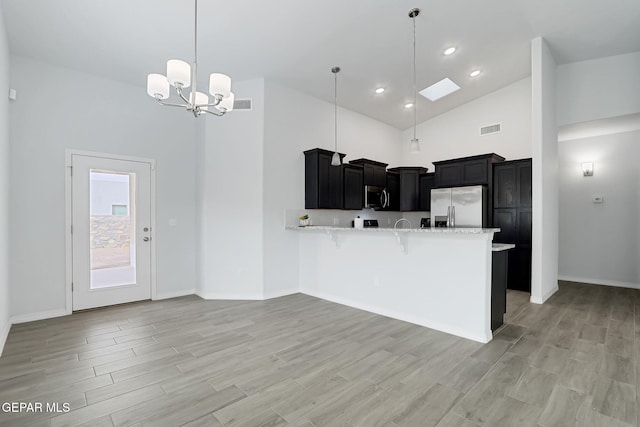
x: 409, y: 191
x: 523, y: 238
x: 380, y: 176
x: 353, y: 187
x: 505, y: 189
x: 448, y: 175
x: 393, y: 187
x: 524, y: 183
x: 427, y: 182
x: 475, y: 172
x: 519, y: 277
x: 329, y: 183
x: 506, y: 221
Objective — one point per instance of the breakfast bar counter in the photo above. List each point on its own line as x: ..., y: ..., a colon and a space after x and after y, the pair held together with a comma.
x: 435, y: 277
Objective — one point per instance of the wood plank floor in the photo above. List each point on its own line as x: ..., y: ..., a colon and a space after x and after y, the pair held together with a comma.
x: 301, y: 361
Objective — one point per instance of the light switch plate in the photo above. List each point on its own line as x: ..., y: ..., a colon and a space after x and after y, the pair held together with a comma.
x: 597, y: 199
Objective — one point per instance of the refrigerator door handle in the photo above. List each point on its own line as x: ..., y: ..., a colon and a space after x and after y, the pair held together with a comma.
x: 448, y: 216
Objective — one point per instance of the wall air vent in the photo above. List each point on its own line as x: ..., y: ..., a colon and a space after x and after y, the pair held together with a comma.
x: 491, y: 129
x: 242, y: 104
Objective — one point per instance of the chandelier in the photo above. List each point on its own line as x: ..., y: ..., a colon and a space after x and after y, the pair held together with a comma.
x: 180, y: 75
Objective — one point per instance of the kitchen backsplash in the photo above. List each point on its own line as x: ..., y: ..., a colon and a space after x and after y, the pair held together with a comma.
x: 342, y: 218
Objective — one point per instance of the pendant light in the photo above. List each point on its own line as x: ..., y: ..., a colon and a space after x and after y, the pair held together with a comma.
x: 415, y: 142
x: 335, y: 159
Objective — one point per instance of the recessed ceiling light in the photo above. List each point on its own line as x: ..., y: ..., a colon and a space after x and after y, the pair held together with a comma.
x: 380, y: 90
x: 409, y: 105
x: 437, y: 90
x: 474, y: 73
x: 450, y: 50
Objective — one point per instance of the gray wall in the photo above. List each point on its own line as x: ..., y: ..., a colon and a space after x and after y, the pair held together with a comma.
x: 4, y: 185
x: 599, y: 242
x: 86, y: 112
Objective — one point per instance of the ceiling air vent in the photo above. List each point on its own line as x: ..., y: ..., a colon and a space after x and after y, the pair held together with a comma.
x: 490, y: 129
x: 242, y: 104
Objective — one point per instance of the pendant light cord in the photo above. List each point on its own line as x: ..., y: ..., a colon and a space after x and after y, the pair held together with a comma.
x: 335, y: 108
x: 194, y: 71
x: 415, y: 100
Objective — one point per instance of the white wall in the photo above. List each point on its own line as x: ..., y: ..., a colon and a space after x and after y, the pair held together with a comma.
x: 4, y: 186
x: 456, y: 133
x: 544, y: 253
x: 232, y: 200
x: 295, y: 122
x: 58, y: 108
x: 599, y: 242
x: 599, y: 88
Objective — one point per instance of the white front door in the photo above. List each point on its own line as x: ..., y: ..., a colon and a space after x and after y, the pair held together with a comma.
x: 111, y: 226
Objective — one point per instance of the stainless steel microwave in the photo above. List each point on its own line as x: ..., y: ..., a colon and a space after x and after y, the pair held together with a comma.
x: 376, y: 197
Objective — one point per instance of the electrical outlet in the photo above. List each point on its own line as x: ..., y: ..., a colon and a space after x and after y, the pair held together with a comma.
x: 336, y: 221
x: 173, y: 222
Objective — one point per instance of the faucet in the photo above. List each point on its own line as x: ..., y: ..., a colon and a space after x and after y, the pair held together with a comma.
x: 401, y: 219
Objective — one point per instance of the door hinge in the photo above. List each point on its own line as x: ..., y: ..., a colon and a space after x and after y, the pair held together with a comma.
x: 71, y: 286
x: 71, y: 228
x: 71, y: 169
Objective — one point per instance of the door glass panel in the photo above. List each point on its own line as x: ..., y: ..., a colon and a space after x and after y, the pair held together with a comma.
x: 112, y: 229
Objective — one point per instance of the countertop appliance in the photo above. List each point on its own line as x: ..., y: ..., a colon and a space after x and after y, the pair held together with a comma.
x: 376, y: 197
x: 459, y: 206
x: 370, y: 223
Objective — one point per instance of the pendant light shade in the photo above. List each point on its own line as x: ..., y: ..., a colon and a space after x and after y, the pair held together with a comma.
x: 219, y: 84
x: 335, y: 159
x: 157, y: 86
x: 415, y: 142
x: 226, y: 104
x: 178, y: 73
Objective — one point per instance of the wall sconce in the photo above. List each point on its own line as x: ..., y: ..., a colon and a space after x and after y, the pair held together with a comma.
x: 587, y: 169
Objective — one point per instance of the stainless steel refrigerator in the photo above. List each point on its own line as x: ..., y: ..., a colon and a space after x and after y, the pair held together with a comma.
x: 459, y: 206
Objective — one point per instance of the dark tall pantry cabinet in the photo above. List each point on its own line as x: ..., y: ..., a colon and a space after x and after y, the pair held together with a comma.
x: 512, y: 214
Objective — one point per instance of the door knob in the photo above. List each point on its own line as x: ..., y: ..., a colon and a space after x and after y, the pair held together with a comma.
x: 145, y: 229
x: 145, y: 239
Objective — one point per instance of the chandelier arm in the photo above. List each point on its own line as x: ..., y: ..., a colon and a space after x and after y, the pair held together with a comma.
x: 169, y: 104
x: 179, y: 91
x: 219, y: 114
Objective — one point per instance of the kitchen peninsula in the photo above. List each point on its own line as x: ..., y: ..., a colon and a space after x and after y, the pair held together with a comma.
x: 434, y: 277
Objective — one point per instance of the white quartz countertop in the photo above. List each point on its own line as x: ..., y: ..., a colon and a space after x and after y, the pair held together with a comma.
x: 497, y: 247
x: 457, y: 230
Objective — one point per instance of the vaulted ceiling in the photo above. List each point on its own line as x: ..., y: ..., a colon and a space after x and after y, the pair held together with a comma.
x: 296, y: 42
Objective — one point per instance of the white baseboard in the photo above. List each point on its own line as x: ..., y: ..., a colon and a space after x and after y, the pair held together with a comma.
x: 230, y: 296
x: 174, y: 294
x: 600, y: 282
x: 280, y: 293
x: 421, y: 321
x: 32, y: 317
x: 538, y: 300
x: 4, y: 334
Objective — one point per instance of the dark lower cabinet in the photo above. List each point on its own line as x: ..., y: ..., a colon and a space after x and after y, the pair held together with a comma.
x: 393, y: 187
x: 499, y: 274
x: 426, y: 183
x: 323, y: 183
x: 409, y: 186
x: 353, y: 189
x: 512, y: 214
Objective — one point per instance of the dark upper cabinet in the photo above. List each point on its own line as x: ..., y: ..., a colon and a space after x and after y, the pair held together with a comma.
x: 353, y: 189
x: 323, y: 183
x: 375, y: 173
x: 393, y: 187
x: 409, y: 187
x: 512, y: 214
x: 426, y: 182
x: 472, y: 170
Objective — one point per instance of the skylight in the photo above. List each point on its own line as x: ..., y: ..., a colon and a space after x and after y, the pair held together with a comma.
x: 438, y: 90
